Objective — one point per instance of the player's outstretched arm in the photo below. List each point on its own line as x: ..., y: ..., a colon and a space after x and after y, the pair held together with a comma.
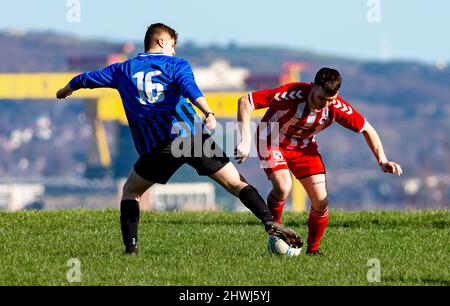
x: 374, y: 142
x: 244, y: 115
x: 102, y: 78
x: 64, y: 92
x: 210, y: 118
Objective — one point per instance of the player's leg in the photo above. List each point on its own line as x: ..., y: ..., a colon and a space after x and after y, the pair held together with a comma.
x: 134, y: 187
x: 315, y: 187
x: 307, y: 166
x: 156, y: 167
x: 231, y: 180
x: 275, y: 166
x: 281, y: 183
x: 215, y: 164
x: 132, y: 191
x: 218, y: 167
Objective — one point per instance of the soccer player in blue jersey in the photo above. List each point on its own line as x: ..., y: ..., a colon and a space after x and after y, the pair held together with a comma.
x: 154, y: 87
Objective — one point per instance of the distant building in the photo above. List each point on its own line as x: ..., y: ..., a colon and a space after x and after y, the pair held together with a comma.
x: 220, y: 76
x: 17, y: 196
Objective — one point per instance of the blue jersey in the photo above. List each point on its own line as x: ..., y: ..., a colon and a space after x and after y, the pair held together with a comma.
x: 153, y: 88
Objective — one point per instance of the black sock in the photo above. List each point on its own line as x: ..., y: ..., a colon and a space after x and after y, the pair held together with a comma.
x: 253, y: 201
x: 129, y: 221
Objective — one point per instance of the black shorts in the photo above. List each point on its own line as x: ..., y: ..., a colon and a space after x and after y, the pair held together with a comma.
x: 200, y: 152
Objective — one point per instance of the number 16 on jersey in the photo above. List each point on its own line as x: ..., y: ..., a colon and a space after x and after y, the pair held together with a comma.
x: 145, y: 87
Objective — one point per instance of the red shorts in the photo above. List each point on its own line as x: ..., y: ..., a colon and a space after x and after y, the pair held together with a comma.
x: 301, y: 162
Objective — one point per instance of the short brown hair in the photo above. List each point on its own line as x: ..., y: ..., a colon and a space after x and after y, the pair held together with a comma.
x: 329, y: 79
x: 155, y: 30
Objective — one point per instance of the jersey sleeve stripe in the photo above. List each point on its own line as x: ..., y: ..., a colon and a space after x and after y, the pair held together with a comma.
x: 188, y: 114
x: 250, y: 98
x: 184, y: 121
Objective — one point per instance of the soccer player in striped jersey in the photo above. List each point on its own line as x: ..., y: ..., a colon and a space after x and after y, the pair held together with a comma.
x: 296, y: 113
x: 154, y: 87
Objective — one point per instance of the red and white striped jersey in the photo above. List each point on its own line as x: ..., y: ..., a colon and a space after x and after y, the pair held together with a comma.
x: 290, y: 122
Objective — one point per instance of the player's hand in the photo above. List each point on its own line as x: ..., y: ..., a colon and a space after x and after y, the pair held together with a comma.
x: 64, y: 92
x: 391, y: 167
x: 242, y: 151
x: 210, y: 121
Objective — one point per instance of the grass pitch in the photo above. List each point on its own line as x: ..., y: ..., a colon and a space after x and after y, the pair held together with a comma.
x: 222, y: 249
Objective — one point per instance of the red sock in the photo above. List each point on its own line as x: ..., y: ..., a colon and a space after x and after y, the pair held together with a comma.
x: 275, y: 207
x: 317, y: 223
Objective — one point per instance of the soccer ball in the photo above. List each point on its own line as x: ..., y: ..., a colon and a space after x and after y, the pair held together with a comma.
x: 278, y: 246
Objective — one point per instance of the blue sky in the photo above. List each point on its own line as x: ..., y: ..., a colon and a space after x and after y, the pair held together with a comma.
x: 407, y: 29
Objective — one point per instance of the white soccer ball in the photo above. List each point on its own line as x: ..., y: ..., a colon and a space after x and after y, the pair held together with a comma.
x: 278, y: 246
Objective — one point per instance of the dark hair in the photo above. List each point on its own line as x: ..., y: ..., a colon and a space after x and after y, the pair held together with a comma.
x: 329, y: 79
x: 155, y: 30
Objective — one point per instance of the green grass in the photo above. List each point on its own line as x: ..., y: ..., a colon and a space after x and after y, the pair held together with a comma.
x: 222, y: 248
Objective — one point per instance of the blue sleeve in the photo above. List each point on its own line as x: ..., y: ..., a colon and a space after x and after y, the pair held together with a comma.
x: 105, y: 77
x: 184, y: 78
